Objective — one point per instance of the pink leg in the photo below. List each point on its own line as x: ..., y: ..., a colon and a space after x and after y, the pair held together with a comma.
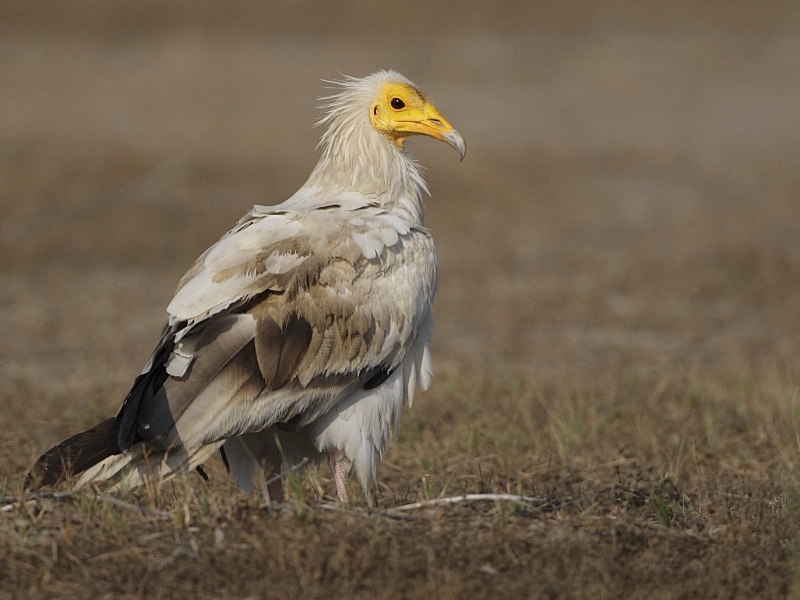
x: 271, y: 459
x: 339, y: 476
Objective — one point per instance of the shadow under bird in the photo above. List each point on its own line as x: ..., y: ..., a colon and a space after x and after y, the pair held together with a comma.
x: 303, y: 331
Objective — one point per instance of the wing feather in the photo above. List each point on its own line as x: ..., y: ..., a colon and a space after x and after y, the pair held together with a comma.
x: 217, y: 348
x: 280, y: 321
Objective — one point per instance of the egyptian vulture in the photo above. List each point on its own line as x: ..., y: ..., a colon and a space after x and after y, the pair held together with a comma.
x: 304, y: 330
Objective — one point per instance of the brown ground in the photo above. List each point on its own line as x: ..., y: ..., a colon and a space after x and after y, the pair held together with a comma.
x: 618, y: 317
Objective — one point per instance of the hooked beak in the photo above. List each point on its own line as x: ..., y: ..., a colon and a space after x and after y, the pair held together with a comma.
x: 437, y: 128
x: 456, y: 140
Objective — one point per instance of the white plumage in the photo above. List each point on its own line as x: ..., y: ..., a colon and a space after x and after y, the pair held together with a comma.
x: 309, y: 323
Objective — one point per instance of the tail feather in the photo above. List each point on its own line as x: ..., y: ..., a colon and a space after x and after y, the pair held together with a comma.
x: 94, y: 455
x: 156, y: 466
x: 76, y: 454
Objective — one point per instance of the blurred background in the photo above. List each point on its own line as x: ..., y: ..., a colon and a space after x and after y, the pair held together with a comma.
x: 629, y: 204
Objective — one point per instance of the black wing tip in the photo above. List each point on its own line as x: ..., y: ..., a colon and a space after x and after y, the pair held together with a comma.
x: 75, y: 455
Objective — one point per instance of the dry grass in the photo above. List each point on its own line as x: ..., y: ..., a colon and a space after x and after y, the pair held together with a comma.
x: 617, y: 322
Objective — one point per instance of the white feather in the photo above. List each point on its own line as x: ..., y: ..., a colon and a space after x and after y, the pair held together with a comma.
x: 369, y: 244
x: 202, y: 296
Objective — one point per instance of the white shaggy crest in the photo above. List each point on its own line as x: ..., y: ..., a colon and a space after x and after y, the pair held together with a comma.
x: 357, y: 157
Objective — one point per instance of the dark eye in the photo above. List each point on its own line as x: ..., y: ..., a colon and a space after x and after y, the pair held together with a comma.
x: 397, y: 104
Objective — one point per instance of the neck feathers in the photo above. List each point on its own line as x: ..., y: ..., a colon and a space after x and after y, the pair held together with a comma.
x: 357, y: 158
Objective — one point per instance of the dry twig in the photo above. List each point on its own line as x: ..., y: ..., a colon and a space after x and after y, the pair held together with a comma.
x: 42, y: 496
x: 10, y: 500
x: 470, y: 498
x: 361, y: 513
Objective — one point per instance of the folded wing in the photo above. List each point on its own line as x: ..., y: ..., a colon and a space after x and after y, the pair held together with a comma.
x: 281, y: 320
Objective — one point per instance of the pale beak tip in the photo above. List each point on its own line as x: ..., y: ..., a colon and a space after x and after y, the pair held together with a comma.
x: 454, y: 139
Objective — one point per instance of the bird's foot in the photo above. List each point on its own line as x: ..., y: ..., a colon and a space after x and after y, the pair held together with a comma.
x: 338, y: 466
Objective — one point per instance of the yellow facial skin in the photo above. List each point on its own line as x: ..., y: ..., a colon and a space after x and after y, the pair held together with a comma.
x: 402, y: 110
